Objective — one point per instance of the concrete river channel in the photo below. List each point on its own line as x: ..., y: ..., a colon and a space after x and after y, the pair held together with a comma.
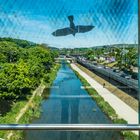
x: 68, y: 103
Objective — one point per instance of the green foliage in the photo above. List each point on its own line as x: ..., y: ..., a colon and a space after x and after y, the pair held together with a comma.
x: 120, y: 121
x: 32, y: 112
x: 129, y: 135
x: 19, y: 42
x: 22, y: 67
x: 8, y: 51
x: 9, y: 118
x: 126, y: 55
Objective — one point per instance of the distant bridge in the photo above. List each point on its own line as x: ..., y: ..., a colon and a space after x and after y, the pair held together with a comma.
x: 71, y: 59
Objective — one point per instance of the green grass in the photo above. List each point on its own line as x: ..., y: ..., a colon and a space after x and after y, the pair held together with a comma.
x: 107, y: 109
x: 32, y: 112
x: 9, y: 118
x: 112, y: 64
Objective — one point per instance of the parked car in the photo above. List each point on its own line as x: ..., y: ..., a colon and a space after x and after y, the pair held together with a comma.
x: 100, y: 67
x: 135, y: 76
x: 116, y: 70
x: 124, y: 75
x: 95, y: 63
x: 106, y: 67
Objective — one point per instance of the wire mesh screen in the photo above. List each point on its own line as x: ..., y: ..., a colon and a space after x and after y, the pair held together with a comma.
x: 68, y: 62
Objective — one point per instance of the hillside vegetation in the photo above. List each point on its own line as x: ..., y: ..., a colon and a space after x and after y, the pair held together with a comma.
x: 23, y: 65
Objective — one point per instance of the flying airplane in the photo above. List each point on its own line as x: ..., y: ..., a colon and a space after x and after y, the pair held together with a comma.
x: 72, y: 29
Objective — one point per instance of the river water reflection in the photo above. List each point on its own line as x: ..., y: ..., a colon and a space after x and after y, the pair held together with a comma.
x: 69, y: 103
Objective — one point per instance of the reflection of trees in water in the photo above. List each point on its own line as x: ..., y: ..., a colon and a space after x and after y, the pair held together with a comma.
x: 65, y: 107
x: 65, y: 74
x: 69, y: 115
x: 64, y: 79
x: 70, y: 110
x: 64, y: 66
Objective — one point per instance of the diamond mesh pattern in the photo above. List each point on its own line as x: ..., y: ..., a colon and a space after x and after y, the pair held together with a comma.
x: 115, y: 21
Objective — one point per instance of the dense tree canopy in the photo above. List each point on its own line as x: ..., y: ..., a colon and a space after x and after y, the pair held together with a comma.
x: 22, y: 67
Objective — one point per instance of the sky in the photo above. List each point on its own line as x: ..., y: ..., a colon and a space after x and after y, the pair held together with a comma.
x: 115, y: 21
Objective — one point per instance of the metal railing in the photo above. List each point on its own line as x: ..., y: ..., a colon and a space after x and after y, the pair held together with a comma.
x: 70, y: 127
x: 112, y: 75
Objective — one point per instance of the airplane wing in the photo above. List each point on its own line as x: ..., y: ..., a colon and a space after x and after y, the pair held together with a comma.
x: 63, y: 32
x: 83, y: 29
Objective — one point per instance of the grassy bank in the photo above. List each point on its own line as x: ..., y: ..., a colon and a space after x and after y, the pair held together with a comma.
x: 132, y: 102
x: 33, y: 110
x: 107, y: 109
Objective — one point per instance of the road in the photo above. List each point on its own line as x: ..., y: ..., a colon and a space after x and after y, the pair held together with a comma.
x: 131, y: 83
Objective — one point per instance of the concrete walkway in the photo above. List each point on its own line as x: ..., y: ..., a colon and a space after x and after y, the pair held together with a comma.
x: 122, y: 109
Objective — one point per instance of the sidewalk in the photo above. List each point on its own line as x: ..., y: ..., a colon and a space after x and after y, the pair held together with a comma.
x: 122, y: 109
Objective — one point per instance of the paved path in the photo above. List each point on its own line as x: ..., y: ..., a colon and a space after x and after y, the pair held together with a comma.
x: 38, y: 91
x: 122, y: 109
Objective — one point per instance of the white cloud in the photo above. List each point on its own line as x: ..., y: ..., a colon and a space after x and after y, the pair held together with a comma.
x: 39, y: 28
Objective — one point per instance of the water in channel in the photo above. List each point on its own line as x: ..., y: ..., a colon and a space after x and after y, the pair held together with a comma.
x: 69, y: 103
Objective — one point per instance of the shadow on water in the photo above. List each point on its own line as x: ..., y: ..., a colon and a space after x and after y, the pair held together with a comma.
x: 69, y: 104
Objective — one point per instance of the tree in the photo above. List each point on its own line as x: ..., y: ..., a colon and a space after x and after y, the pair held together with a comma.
x: 22, y: 68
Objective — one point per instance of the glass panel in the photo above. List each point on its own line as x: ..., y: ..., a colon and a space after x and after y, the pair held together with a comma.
x: 68, y: 62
